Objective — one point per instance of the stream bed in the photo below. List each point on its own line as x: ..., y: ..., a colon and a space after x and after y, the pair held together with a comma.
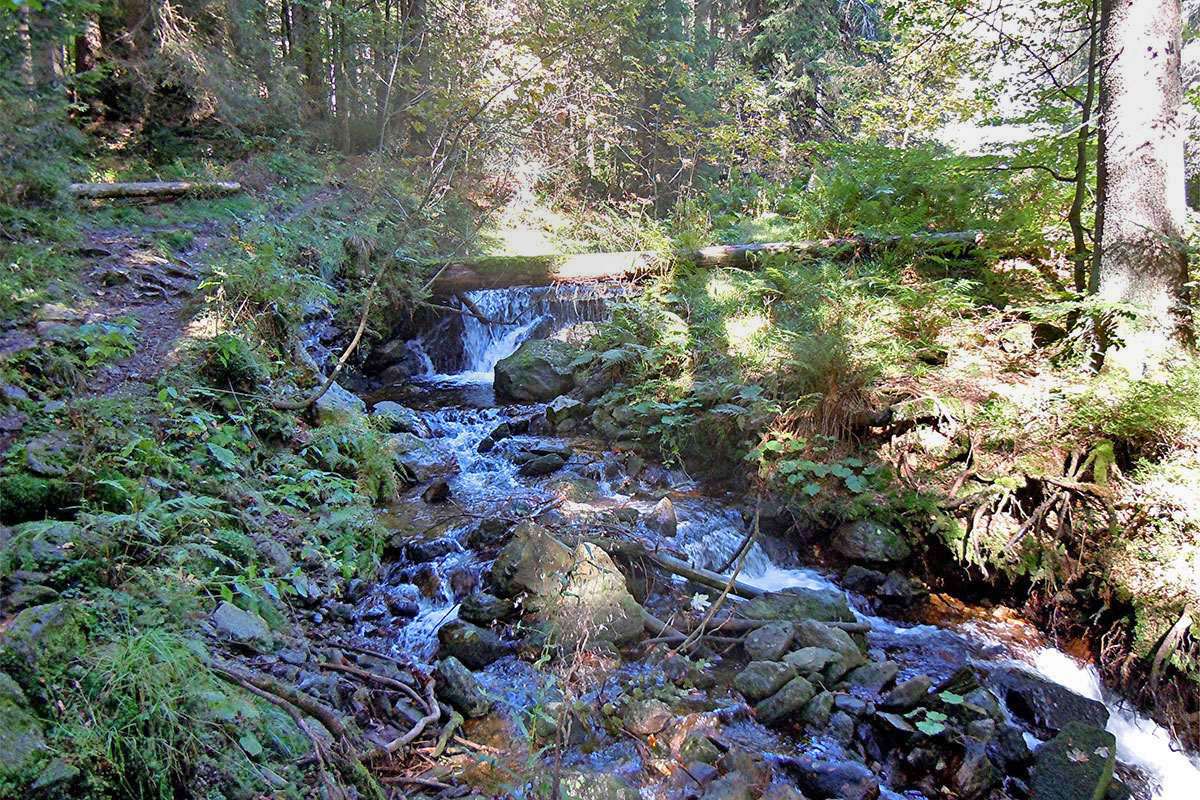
x: 431, y: 577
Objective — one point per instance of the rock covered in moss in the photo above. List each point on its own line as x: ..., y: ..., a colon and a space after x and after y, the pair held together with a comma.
x: 784, y: 703
x: 798, y: 603
x: 870, y: 541
x: 539, y: 370
x: 400, y: 419
x: 770, y: 642
x: 646, y: 717
x: 46, y: 634
x: 21, y: 736
x: 1077, y: 764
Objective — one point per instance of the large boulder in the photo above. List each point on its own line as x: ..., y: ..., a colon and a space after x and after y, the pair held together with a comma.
x: 1043, y: 703
x: 540, y: 370
x: 762, y: 679
x: 579, y: 592
x: 796, y: 603
x: 21, y: 737
x: 1077, y: 764
x: 794, y: 695
x: 865, y: 540
x: 41, y: 634
x: 770, y: 642
x: 244, y: 628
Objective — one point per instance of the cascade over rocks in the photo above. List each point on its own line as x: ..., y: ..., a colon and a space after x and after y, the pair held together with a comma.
x: 1046, y: 705
x: 401, y: 419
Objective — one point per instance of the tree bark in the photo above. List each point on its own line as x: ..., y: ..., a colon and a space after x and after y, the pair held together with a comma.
x: 1079, y: 253
x: 1142, y: 264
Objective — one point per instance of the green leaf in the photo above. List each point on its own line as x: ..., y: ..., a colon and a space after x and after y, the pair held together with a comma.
x: 856, y: 484
x: 812, y: 489
x: 224, y: 457
x: 951, y: 699
x: 930, y: 728
x: 250, y: 744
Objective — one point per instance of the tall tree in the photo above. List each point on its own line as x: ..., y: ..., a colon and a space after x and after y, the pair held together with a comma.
x: 1141, y: 262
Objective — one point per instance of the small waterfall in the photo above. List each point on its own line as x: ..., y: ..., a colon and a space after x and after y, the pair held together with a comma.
x: 513, y: 316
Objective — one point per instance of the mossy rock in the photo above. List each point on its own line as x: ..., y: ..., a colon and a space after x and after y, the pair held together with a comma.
x: 797, y: 603
x: 21, y: 736
x: 25, y: 497
x: 540, y: 370
x: 40, y: 640
x: 1075, y: 765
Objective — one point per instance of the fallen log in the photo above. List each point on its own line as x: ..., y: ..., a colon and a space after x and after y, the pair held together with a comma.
x: 105, y: 191
x: 499, y: 272
x: 705, y: 577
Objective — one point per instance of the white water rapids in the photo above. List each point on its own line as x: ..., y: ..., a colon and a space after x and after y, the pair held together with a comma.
x: 709, y: 532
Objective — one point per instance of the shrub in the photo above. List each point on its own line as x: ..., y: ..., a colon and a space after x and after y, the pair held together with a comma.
x: 1148, y: 416
x: 230, y: 362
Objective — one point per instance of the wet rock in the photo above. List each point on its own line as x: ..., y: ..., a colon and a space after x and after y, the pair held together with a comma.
x: 981, y: 729
x: 784, y: 703
x: 489, y: 533
x: 474, y: 646
x: 662, y: 519
x: 11, y: 393
x: 436, y: 492
x: 21, y: 736
x: 646, y: 717
x: 401, y: 419
x: 761, y: 679
x: 976, y: 775
x: 901, y: 591
x: 869, y: 541
x: 874, y: 676
x: 1077, y: 764
x: 482, y: 608
x: 338, y: 406
x: 863, y: 580
x: 530, y: 562
x: 770, y: 642
x: 538, y: 371
x: 810, y: 660
x: 908, y: 694
x: 543, y: 464
x: 828, y: 778
x: 403, y: 607
x: 697, y: 747
x: 580, y: 785
x: 241, y: 627
x: 420, y: 460
x: 841, y: 726
x: 1009, y: 748
x: 798, y: 604
x: 733, y: 786
x: 458, y: 687
x: 424, y: 550
x: 1044, y: 703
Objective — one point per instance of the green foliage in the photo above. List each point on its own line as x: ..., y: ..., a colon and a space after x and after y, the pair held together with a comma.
x: 228, y: 361
x: 1147, y: 415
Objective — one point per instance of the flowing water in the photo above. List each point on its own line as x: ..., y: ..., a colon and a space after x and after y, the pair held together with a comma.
x: 461, y: 411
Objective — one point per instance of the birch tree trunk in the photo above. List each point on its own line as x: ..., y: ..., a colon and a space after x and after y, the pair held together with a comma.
x: 1141, y: 260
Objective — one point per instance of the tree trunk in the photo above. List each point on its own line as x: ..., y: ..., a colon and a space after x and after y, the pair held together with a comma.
x: 1142, y: 263
x: 25, y: 45
x: 1079, y: 253
x: 87, y: 45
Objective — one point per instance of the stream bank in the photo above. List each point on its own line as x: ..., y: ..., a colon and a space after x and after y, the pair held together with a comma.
x: 515, y: 499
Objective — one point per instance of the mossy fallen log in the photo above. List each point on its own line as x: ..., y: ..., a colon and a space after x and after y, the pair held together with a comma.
x: 152, y: 189
x: 499, y: 272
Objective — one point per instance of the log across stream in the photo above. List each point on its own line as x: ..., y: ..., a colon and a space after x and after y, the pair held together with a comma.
x: 597, y: 489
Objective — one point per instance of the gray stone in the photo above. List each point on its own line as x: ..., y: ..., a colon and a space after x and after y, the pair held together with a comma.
x: 810, y: 660
x: 338, y: 406
x: 21, y: 737
x: 55, y: 778
x: 908, y: 694
x: 874, y: 676
x: 646, y: 717
x: 459, y: 687
x: 242, y: 627
x: 810, y: 633
x: 474, y: 646
x: 41, y: 634
x: 770, y: 642
x: 482, y: 608
x: 865, y: 540
x: 1077, y: 764
x: 662, y: 519
x: 420, y: 460
x: 543, y: 464
x: 784, y: 703
x: 854, y: 706
x: 696, y: 746
x: 50, y: 455
x: 824, y: 778
x: 841, y: 726
x: 976, y: 775
x: 762, y: 679
x: 401, y: 419
x: 798, y: 604
x: 733, y: 786
x: 563, y: 409
x: 539, y: 370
